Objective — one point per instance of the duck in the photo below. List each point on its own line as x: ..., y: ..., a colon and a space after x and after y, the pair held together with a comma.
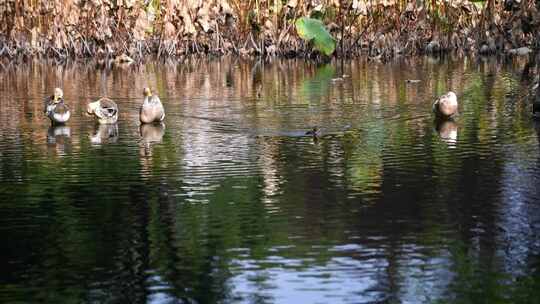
x: 315, y: 132
x: 152, y: 110
x: 446, y: 106
x: 104, y: 109
x: 55, y: 108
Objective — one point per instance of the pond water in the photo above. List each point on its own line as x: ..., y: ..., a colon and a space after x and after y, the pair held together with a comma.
x: 230, y: 202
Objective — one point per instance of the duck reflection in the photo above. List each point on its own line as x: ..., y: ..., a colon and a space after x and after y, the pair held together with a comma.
x: 150, y: 133
x: 448, y: 131
x: 57, y: 135
x: 104, y: 133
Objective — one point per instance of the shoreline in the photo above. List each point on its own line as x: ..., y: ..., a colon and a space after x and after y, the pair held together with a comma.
x: 62, y: 55
x: 134, y: 30
x: 523, y: 53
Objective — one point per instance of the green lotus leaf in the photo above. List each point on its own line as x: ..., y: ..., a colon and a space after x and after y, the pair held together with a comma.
x: 314, y: 30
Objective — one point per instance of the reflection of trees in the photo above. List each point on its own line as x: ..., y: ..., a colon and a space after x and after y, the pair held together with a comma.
x: 210, y: 195
x: 73, y: 230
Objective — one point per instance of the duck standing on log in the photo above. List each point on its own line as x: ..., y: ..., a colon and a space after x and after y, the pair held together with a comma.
x: 55, y: 108
x: 446, y: 106
x: 152, y: 110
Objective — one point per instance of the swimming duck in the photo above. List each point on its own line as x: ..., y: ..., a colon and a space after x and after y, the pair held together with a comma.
x: 446, y: 106
x: 104, y: 109
x: 151, y: 109
x: 55, y: 108
x: 315, y: 132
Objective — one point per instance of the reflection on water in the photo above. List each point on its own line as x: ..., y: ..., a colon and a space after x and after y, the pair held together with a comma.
x: 104, y: 133
x: 57, y: 133
x: 152, y: 133
x: 58, y: 137
x: 448, y: 131
x: 233, y: 202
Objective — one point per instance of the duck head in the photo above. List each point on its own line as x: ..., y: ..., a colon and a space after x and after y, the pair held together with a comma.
x: 58, y: 95
x: 147, y: 92
x: 314, y: 131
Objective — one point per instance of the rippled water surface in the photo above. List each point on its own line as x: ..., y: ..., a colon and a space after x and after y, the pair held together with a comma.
x: 230, y: 202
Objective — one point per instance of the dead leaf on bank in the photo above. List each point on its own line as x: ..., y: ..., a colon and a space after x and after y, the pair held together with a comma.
x: 292, y: 3
x: 203, y: 18
x: 123, y: 59
x: 60, y: 40
x: 271, y: 50
x: 34, y: 37
x: 268, y: 25
x: 359, y: 7
x: 334, y: 3
x: 171, y: 6
x: 243, y: 51
x: 387, y: 3
x: 318, y: 8
x: 189, y: 28
x: 169, y: 31
x: 410, y: 7
x: 227, y: 46
x: 332, y: 26
x: 72, y: 17
x: 226, y: 8
x: 128, y: 3
x: 141, y: 25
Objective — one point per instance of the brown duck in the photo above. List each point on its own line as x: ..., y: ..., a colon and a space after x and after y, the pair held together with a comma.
x: 152, y: 110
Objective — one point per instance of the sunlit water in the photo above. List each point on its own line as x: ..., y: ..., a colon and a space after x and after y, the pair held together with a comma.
x: 230, y: 202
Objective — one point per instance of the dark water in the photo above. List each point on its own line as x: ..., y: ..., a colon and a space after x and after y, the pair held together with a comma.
x: 229, y: 202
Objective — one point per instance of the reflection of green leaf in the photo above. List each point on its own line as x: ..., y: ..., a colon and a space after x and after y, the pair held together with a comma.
x: 315, y: 87
x: 314, y: 30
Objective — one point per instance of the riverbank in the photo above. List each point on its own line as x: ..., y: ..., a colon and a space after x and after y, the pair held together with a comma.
x: 132, y: 29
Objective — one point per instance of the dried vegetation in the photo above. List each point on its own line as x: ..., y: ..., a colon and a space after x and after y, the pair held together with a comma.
x: 378, y: 28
